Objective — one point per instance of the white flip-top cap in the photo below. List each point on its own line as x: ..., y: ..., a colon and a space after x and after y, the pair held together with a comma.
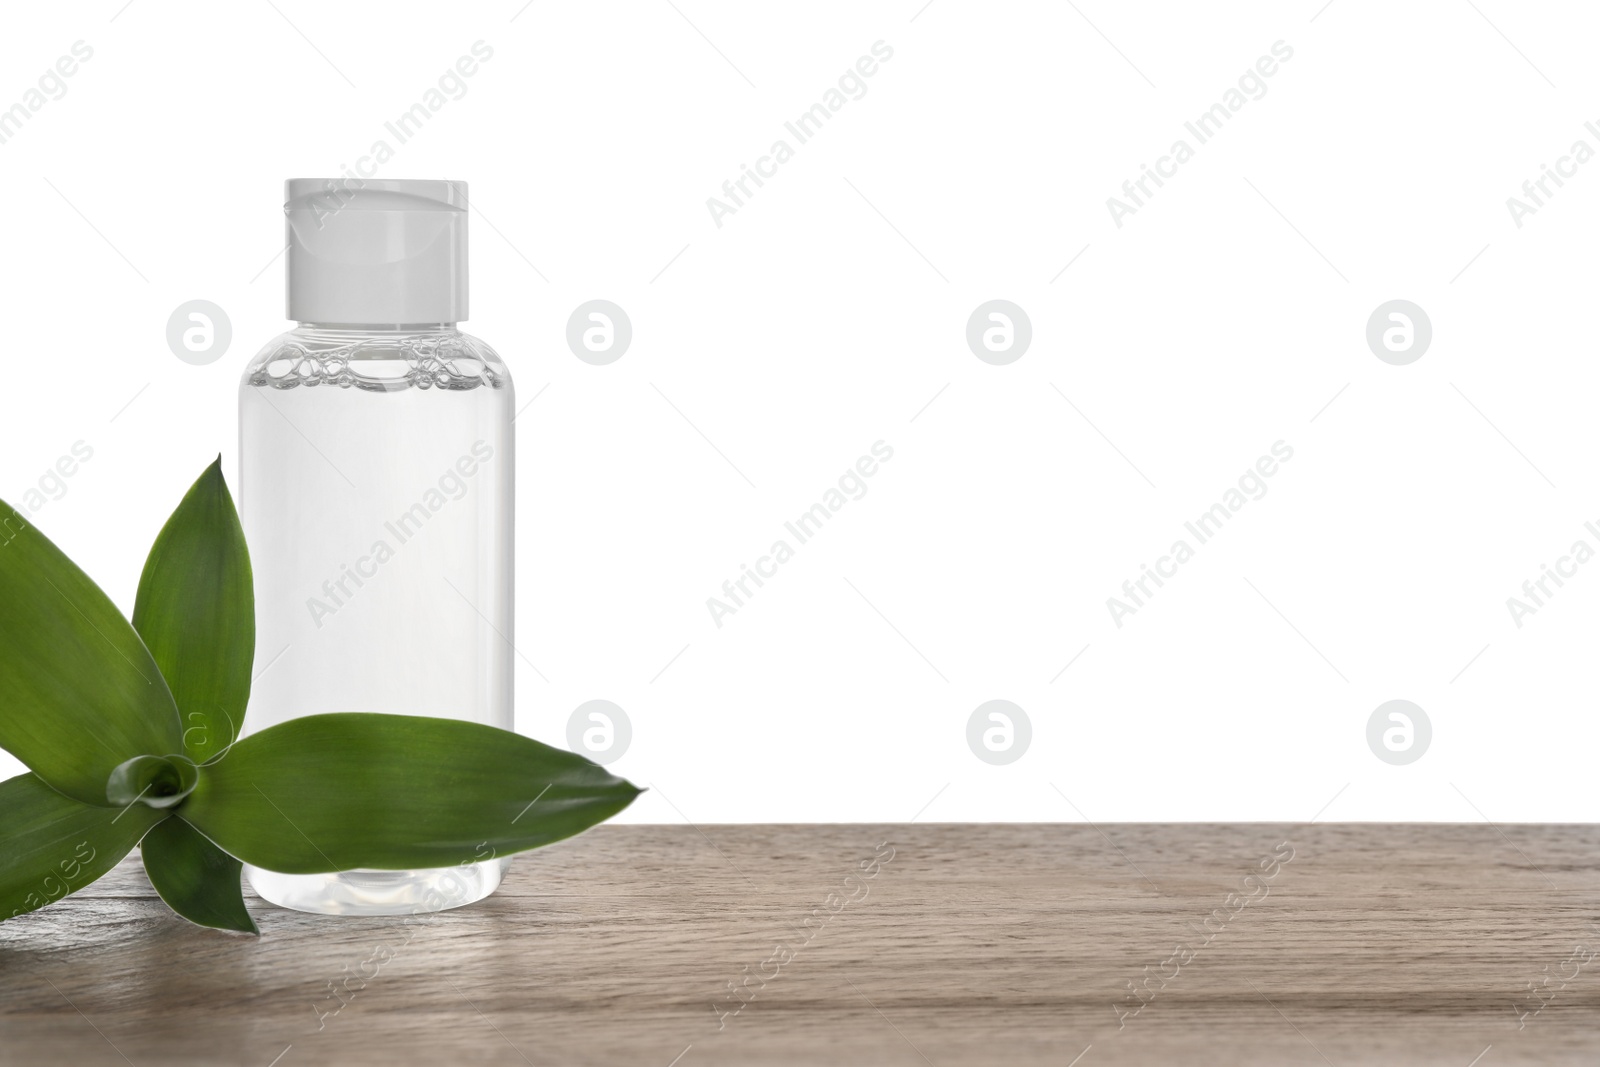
x: 388, y: 251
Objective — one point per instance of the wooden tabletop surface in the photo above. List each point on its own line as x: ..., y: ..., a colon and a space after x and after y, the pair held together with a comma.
x: 1464, y: 945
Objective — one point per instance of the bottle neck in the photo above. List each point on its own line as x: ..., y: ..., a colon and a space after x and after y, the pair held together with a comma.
x: 379, y: 328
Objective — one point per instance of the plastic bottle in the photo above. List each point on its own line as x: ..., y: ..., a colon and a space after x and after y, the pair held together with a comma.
x: 376, y: 491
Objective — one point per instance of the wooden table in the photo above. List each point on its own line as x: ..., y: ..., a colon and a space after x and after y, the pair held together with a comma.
x: 963, y: 944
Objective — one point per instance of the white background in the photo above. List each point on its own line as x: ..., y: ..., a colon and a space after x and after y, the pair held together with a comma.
x: 829, y: 313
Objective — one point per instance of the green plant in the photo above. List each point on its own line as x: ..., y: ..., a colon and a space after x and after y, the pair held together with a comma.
x: 130, y: 734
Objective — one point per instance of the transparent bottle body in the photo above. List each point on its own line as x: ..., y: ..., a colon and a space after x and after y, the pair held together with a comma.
x: 376, y: 492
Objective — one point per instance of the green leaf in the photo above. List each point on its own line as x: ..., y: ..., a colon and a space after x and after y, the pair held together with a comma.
x: 79, y: 693
x: 196, y: 612
x: 394, y: 792
x: 52, y: 845
x: 196, y: 878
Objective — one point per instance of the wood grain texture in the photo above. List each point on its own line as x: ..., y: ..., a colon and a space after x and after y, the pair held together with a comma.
x: 1009, y: 944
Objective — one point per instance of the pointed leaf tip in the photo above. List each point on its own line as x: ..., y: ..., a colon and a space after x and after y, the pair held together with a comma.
x: 393, y: 792
x: 196, y: 612
x: 197, y: 879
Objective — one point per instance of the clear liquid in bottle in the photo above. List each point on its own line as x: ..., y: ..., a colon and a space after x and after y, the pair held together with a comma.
x: 376, y: 492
